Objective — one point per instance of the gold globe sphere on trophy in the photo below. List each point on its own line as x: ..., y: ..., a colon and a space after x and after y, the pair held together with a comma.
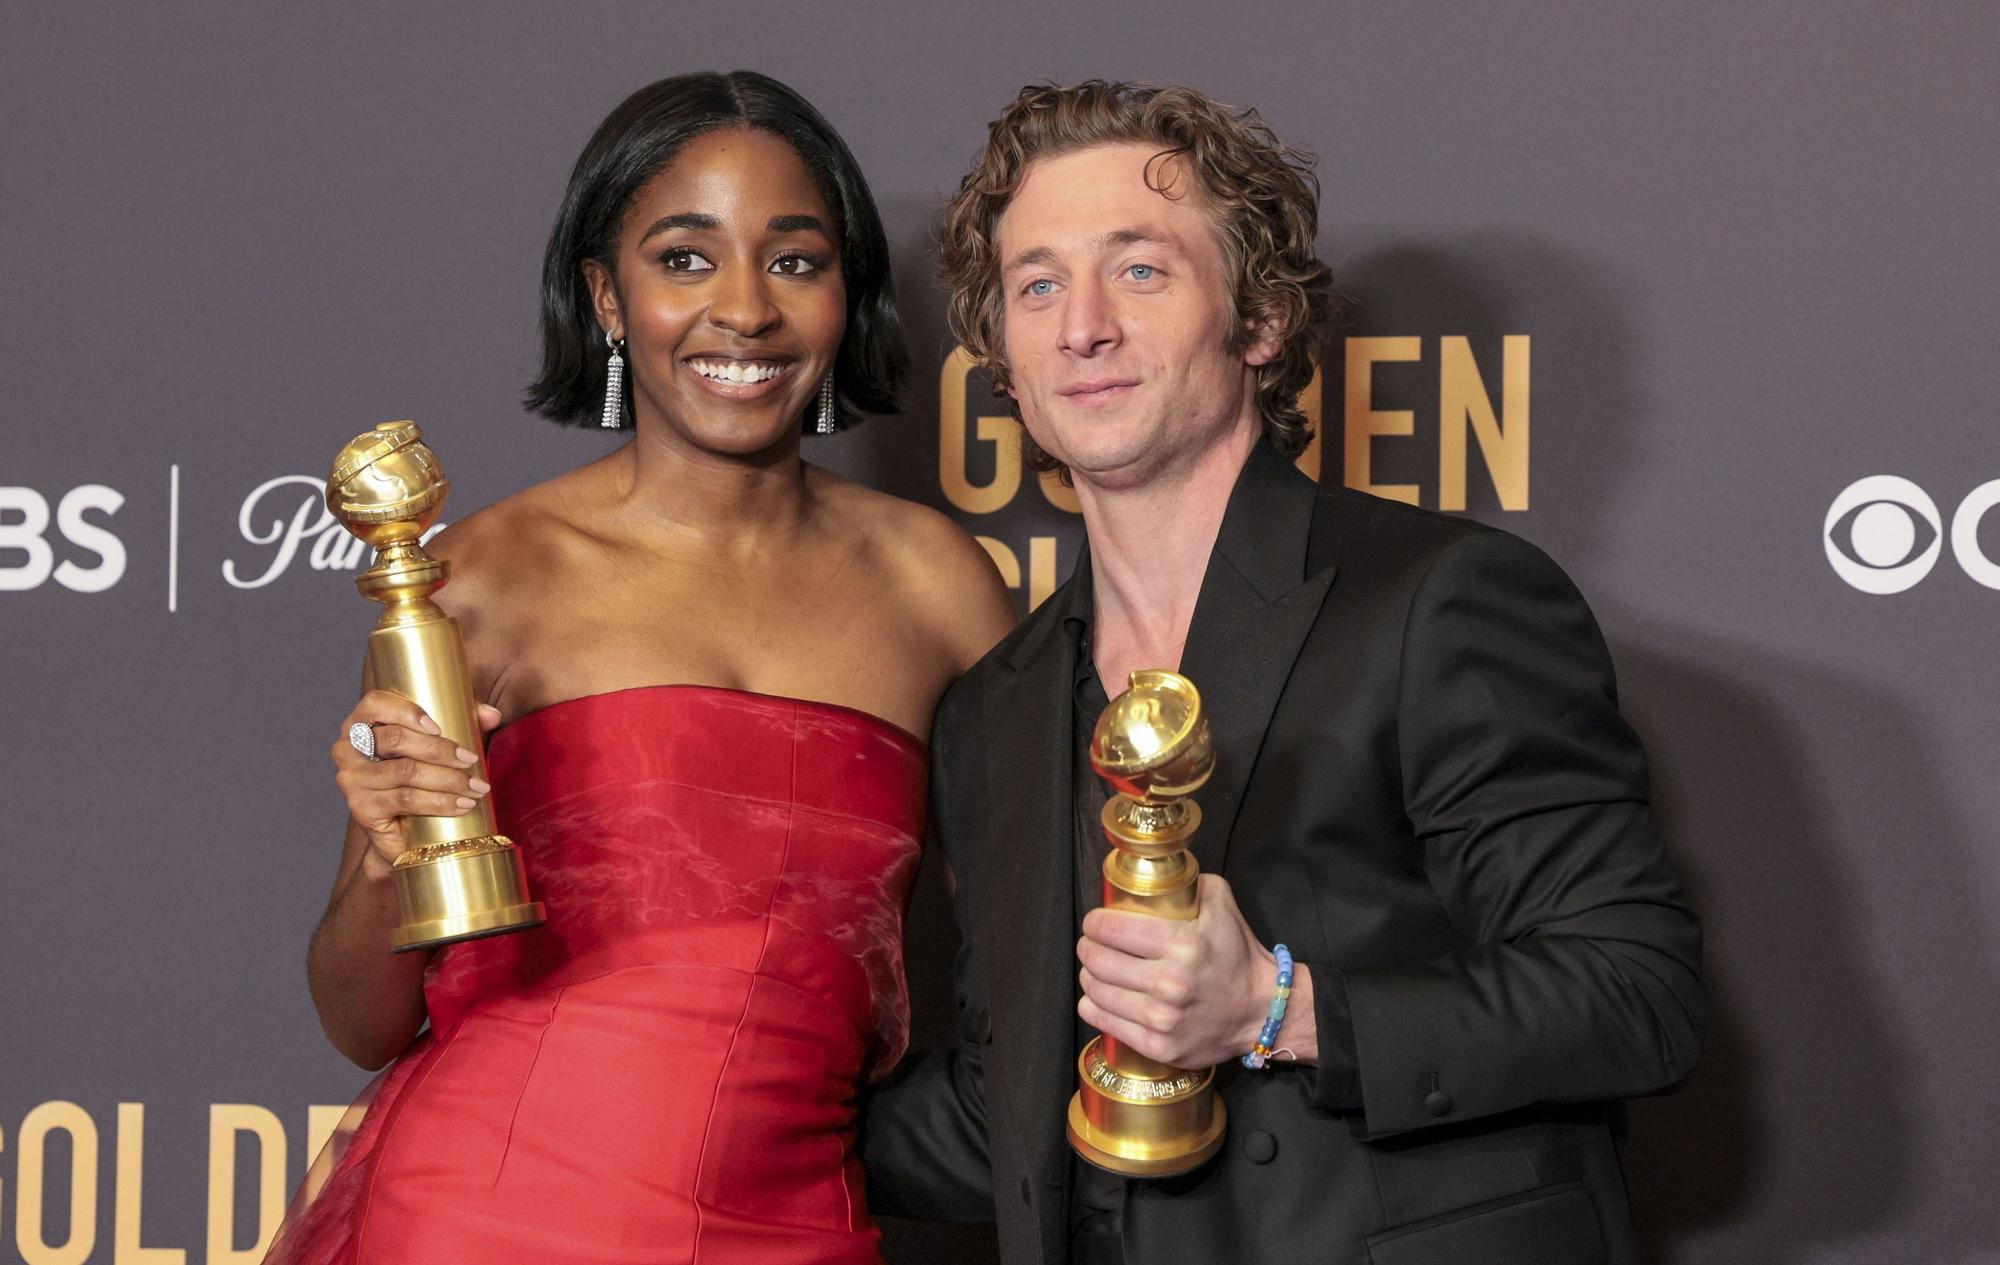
x: 1131, y: 1114
x: 461, y: 877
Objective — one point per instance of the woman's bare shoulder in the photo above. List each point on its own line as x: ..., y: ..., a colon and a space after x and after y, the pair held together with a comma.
x: 514, y: 537
x: 945, y: 574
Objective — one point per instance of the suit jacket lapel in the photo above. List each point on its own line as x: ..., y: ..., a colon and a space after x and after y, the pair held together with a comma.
x: 1256, y: 606
x: 1032, y: 802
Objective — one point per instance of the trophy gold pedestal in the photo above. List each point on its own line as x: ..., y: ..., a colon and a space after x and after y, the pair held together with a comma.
x: 461, y: 877
x: 1131, y: 1114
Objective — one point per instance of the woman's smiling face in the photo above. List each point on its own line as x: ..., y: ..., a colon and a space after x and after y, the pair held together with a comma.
x: 728, y: 292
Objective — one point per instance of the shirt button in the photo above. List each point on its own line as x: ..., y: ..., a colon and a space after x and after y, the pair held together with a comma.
x: 1438, y: 1103
x: 1259, y: 1147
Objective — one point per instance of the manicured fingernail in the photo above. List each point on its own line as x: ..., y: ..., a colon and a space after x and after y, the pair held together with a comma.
x: 428, y: 725
x: 463, y: 802
x: 464, y: 756
x: 479, y: 785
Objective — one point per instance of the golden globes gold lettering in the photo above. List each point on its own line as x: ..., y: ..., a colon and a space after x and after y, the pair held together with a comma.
x: 31, y: 1204
x: 1464, y: 404
x: 954, y: 444
x: 1466, y: 418
x: 128, y: 1246
x: 461, y: 878
x: 1041, y: 575
x: 1131, y: 1114
x: 227, y: 1123
x: 1365, y: 422
x: 997, y: 437
x: 62, y: 1180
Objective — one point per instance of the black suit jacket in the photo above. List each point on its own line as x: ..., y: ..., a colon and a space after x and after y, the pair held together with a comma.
x: 1424, y: 787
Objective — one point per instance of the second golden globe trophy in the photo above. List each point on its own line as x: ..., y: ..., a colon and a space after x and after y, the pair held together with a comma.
x: 1131, y: 1114
x: 461, y: 877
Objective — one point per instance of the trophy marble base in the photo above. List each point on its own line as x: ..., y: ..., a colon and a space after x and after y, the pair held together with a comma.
x: 461, y: 890
x: 1143, y: 1125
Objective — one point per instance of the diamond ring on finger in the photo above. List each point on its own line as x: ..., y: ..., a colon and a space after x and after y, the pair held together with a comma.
x: 361, y: 736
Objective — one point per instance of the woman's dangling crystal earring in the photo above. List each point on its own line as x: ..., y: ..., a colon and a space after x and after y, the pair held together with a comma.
x: 825, y: 423
x: 614, y: 384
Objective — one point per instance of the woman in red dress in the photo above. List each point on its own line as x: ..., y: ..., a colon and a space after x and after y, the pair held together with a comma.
x: 708, y: 662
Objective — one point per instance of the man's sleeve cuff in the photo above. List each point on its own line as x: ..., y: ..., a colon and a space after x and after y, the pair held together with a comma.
x: 1336, y: 1081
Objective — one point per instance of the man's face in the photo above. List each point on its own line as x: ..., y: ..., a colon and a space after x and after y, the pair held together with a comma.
x: 1117, y: 317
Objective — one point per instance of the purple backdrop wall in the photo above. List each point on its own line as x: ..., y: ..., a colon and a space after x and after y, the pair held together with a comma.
x: 1710, y: 265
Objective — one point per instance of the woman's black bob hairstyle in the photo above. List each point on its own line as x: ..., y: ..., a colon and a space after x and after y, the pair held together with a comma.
x: 639, y: 138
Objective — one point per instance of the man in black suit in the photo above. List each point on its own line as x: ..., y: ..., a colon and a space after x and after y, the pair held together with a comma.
x: 1423, y: 786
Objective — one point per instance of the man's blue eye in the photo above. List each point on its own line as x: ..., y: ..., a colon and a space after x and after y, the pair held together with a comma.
x: 1142, y: 272
x: 1039, y: 288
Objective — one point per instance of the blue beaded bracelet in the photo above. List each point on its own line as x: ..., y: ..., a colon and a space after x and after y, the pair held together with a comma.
x: 1275, y: 1018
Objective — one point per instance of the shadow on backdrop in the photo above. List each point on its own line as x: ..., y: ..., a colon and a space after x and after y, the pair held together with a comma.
x: 1791, y: 797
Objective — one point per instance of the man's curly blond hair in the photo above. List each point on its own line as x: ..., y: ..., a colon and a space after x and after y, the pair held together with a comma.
x: 1260, y: 195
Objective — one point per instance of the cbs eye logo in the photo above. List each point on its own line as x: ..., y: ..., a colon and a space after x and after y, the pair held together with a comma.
x: 1883, y: 534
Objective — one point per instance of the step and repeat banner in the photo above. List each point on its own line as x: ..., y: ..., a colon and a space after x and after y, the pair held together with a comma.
x: 1704, y: 299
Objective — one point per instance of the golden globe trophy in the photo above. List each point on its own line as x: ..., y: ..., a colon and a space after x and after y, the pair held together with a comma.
x: 461, y: 877
x: 1133, y: 1115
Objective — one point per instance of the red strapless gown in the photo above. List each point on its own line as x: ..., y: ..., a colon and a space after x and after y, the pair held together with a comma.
x: 667, y: 1070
